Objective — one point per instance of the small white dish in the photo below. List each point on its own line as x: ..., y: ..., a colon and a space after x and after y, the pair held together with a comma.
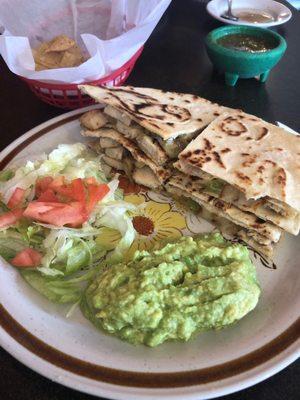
x: 218, y: 7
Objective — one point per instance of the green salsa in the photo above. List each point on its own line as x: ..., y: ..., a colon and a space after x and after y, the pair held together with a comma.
x: 245, y: 42
x: 186, y: 287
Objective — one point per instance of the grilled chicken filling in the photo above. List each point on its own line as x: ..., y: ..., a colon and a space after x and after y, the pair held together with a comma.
x: 259, y: 242
x: 120, y: 159
x: 152, y: 145
x: 268, y: 209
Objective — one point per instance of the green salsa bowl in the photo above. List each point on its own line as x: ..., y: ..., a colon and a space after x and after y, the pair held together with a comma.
x: 236, y: 63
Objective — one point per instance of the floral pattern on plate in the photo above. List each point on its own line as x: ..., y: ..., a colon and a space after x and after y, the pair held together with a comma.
x: 153, y: 222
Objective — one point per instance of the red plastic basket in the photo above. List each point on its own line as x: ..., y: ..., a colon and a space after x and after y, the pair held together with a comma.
x: 69, y: 96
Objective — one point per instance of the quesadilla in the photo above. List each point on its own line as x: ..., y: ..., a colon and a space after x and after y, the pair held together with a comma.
x: 247, y: 171
x: 262, y: 234
x: 237, y: 167
x: 228, y: 228
x: 159, y: 123
x: 258, y: 162
x: 215, y: 187
x: 123, y: 154
x: 260, y: 159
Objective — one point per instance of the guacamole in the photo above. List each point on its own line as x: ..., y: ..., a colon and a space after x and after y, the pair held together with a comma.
x: 189, y: 286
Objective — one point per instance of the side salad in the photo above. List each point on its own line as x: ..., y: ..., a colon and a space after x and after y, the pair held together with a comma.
x: 52, y: 211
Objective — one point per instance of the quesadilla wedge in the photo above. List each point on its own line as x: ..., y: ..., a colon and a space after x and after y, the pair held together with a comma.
x: 231, y: 230
x: 258, y: 162
x: 258, y: 158
x: 208, y: 184
x: 247, y: 220
x: 160, y: 123
x: 123, y: 154
x: 260, y: 234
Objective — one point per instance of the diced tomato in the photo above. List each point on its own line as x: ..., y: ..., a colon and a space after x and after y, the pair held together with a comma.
x: 78, y: 190
x: 57, y: 182
x: 81, y: 209
x: 65, y: 191
x: 90, y: 181
x: 16, y: 198
x: 27, y: 258
x: 73, y: 191
x: 72, y: 214
x: 48, y: 195
x: 42, y: 185
x: 95, y: 194
x: 64, y: 194
x: 60, y: 203
x: 58, y: 214
x: 35, y: 208
x: 10, y: 218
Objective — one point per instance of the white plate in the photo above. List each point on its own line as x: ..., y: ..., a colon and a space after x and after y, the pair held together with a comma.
x: 72, y: 352
x: 218, y: 7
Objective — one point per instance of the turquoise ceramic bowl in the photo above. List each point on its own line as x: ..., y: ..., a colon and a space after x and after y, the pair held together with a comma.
x: 242, y: 64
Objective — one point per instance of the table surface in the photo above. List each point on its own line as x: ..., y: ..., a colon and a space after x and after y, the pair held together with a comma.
x: 174, y: 58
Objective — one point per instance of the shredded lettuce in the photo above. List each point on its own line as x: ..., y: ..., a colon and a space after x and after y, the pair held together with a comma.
x: 84, y: 168
x: 114, y: 215
x: 11, y: 242
x: 71, y: 256
x: 32, y: 234
x: 6, y: 175
x: 56, y: 290
x: 68, y: 284
x: 66, y: 253
x: 71, y: 160
x: 59, y: 158
x: 3, y: 207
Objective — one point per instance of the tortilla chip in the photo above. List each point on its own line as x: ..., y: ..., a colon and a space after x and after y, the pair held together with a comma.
x: 42, y: 48
x: 72, y: 57
x: 60, y: 43
x: 49, y: 60
x: 40, y: 67
x: 61, y: 52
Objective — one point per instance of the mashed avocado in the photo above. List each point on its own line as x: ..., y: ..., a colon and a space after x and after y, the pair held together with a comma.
x: 189, y: 286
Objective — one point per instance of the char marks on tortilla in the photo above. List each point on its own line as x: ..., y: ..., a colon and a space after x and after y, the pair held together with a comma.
x: 166, y: 114
x: 258, y: 158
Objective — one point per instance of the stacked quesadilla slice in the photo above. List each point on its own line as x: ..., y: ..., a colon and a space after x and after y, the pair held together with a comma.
x: 241, y: 170
x: 247, y: 171
x: 141, y: 131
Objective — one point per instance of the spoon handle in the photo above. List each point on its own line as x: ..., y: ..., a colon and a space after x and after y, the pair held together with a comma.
x: 230, y: 7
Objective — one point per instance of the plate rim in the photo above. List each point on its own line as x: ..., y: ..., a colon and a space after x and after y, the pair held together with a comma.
x: 118, y: 393
x: 285, y: 358
x: 258, y: 25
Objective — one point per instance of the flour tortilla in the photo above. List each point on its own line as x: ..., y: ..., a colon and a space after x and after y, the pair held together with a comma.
x: 267, y: 249
x: 228, y: 228
x: 263, y: 208
x: 226, y: 210
x: 258, y: 158
x: 166, y: 114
